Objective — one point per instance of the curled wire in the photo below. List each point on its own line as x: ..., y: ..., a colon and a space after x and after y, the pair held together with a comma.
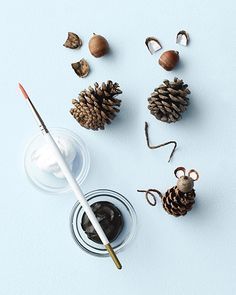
x: 150, y: 192
x: 160, y: 145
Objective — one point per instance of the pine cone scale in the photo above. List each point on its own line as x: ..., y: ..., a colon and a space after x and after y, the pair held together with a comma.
x: 97, y: 106
x: 178, y: 203
x: 169, y: 99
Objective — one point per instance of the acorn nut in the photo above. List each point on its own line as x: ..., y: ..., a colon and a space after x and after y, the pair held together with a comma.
x: 169, y: 59
x: 98, y: 45
x: 185, y: 184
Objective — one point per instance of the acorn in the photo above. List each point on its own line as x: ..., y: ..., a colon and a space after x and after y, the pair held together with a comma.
x: 98, y: 45
x: 169, y: 59
x: 185, y: 184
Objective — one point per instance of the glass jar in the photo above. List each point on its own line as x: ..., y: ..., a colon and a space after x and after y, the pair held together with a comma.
x: 46, y: 181
x: 125, y: 236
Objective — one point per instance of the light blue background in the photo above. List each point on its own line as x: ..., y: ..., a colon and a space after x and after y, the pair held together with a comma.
x: 190, y: 255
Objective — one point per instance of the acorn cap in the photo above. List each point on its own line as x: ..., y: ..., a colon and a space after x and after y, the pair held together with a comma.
x: 73, y: 41
x: 81, y: 68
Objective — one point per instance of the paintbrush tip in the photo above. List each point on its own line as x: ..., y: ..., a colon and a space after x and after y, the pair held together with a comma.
x: 26, y: 96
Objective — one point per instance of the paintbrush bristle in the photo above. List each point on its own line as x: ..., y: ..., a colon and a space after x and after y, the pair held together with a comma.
x: 26, y: 96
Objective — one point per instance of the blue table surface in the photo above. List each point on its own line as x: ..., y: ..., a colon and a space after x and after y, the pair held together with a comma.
x: 190, y: 255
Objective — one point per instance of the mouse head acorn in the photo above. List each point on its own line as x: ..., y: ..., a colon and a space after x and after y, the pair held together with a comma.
x: 179, y: 199
x: 185, y: 182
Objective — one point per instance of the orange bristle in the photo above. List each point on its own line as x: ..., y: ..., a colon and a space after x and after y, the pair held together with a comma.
x: 26, y: 96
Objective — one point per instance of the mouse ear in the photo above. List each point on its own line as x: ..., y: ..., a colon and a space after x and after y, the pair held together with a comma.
x: 193, y: 174
x: 178, y: 171
x: 182, y: 38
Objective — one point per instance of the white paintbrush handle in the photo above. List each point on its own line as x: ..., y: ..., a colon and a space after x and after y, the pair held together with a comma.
x: 71, y: 180
x: 75, y: 187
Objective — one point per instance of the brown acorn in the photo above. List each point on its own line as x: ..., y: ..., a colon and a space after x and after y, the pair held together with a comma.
x: 98, y: 45
x: 169, y: 59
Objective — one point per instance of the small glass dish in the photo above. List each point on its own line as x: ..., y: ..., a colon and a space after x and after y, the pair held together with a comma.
x: 46, y: 181
x: 125, y: 236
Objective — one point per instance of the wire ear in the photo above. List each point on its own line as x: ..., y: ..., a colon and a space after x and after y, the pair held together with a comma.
x: 193, y: 174
x: 177, y: 175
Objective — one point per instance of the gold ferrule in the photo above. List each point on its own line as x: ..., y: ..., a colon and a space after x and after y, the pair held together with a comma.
x: 113, y: 256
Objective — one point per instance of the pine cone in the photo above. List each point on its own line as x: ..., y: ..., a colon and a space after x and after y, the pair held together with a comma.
x: 178, y: 203
x: 169, y: 100
x: 96, y: 107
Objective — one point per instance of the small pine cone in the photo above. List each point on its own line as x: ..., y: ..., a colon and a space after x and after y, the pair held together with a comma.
x: 169, y: 100
x: 96, y: 107
x: 178, y: 203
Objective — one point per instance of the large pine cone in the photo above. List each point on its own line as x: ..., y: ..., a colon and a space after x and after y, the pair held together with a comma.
x: 169, y: 100
x: 96, y: 107
x: 178, y: 203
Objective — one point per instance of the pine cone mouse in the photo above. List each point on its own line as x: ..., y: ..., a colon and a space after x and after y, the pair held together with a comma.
x: 169, y: 100
x: 96, y: 107
x: 179, y: 199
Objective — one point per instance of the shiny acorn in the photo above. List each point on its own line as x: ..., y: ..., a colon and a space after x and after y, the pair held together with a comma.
x: 98, y: 45
x: 169, y: 59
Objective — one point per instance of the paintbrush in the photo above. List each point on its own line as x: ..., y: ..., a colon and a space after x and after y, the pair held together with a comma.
x: 70, y: 178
